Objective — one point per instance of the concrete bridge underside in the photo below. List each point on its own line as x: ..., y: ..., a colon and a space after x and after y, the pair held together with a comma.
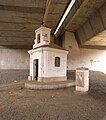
x: 19, y: 19
x: 85, y: 23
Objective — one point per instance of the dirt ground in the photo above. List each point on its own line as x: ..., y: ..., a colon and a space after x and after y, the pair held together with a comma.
x: 60, y: 104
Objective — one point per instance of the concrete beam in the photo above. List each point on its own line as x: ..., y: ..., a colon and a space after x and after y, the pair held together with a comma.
x: 99, y: 39
x: 84, y: 11
x: 96, y: 23
x: 18, y: 27
x: 79, y: 14
x: 56, y: 10
x: 16, y: 38
x: 17, y: 34
x: 102, y: 11
x: 46, y: 11
x: 19, y: 20
x: 92, y: 32
x: 28, y: 47
x: 17, y: 43
x: 22, y: 9
x: 93, y: 47
x: 17, y: 17
x: 25, y: 3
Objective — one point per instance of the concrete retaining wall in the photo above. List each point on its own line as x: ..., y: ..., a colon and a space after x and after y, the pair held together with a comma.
x: 8, y: 76
x: 93, y: 75
x: 71, y: 74
x: 14, y: 65
x: 14, y: 59
x: 91, y: 58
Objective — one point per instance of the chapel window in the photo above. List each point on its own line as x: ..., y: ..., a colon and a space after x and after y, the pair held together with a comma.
x: 38, y: 38
x: 57, y: 61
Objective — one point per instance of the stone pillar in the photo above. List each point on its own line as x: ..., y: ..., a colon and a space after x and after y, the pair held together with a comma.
x: 82, y: 79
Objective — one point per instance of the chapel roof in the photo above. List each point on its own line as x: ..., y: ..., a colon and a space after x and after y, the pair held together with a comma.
x: 51, y: 45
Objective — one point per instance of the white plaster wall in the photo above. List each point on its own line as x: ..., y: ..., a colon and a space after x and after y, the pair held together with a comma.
x: 90, y: 58
x: 14, y: 59
x: 45, y: 72
x: 94, y: 59
x: 52, y: 70
x: 73, y: 57
x: 46, y: 67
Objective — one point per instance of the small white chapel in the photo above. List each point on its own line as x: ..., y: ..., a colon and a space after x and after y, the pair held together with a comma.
x: 48, y: 61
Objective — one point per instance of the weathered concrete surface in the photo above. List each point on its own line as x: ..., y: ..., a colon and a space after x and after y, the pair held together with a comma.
x: 11, y: 75
x: 14, y: 65
x: 19, y: 19
x: 9, y: 86
x: 71, y: 74
x: 98, y: 40
x: 61, y: 104
x: 80, y: 13
x: 46, y: 86
x: 93, y: 31
x: 77, y: 57
x: 35, y: 85
x: 14, y: 59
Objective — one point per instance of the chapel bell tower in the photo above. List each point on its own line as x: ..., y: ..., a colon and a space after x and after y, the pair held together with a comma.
x: 42, y: 37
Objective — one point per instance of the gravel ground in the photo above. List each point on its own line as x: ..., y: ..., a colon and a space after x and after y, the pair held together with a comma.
x: 61, y: 104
